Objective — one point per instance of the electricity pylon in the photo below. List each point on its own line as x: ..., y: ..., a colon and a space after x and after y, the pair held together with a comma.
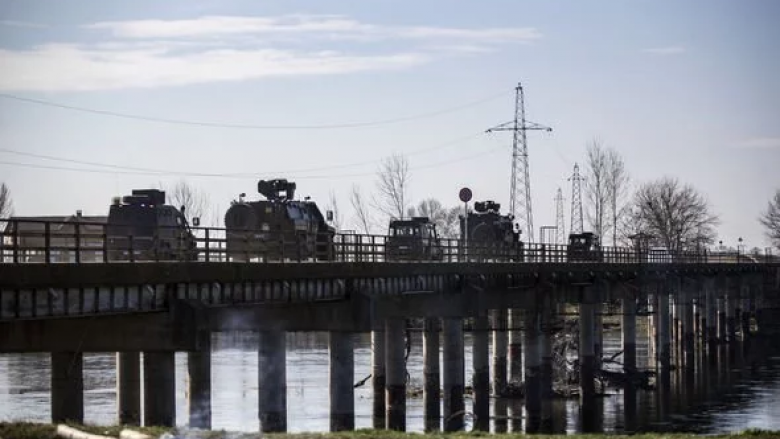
x: 560, y: 227
x: 520, y: 185
x: 576, y: 200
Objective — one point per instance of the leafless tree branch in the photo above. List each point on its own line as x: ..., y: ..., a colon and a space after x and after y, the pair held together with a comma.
x: 333, y: 206
x: 770, y: 219
x: 362, y: 213
x: 6, y: 204
x: 393, y: 186
x: 195, y: 202
x: 618, y: 189
x: 597, y: 189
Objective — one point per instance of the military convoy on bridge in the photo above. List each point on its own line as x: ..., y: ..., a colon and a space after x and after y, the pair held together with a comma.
x: 488, y: 234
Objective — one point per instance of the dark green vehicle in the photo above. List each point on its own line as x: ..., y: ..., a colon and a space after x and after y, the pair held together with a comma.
x: 414, y: 239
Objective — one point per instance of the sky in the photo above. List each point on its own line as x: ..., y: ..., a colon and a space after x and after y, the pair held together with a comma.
x: 320, y: 92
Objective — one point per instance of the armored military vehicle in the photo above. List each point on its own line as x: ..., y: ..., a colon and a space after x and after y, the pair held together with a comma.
x: 413, y: 239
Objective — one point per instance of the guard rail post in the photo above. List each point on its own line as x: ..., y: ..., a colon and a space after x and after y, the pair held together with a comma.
x: 78, y: 243
x: 47, y: 241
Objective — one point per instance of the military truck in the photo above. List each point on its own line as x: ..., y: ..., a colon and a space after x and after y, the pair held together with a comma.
x: 491, y: 236
x: 414, y: 239
x: 141, y: 226
x: 278, y: 227
x: 584, y: 246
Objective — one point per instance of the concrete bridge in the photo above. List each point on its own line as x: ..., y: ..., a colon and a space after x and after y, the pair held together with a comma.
x: 693, y: 301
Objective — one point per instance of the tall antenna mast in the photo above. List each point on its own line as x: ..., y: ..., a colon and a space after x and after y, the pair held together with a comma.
x: 560, y: 227
x: 520, y: 185
x: 576, y: 200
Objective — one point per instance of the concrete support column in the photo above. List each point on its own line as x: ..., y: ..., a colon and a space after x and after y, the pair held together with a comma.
x: 378, y: 377
x: 342, y: 377
x: 128, y: 388
x: 545, y: 349
x: 454, y: 380
x: 721, y: 302
x: 395, y: 393
x: 731, y: 316
x: 664, y: 337
x: 533, y: 365
x: 515, y: 346
x: 598, y: 332
x: 199, y: 371
x: 500, y: 339
x: 431, y: 375
x: 689, y: 342
x: 628, y: 326
x: 272, y: 381
x: 481, y: 379
x: 711, y: 306
x: 746, y: 312
x: 586, y: 354
x: 67, y: 387
x: 159, y: 389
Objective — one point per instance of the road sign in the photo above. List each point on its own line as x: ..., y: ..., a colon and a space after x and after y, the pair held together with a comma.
x: 465, y: 195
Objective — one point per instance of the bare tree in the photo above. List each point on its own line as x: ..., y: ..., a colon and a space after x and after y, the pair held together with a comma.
x: 617, y: 190
x: 333, y: 206
x: 597, y: 196
x: 771, y: 219
x: 446, y: 220
x: 6, y: 204
x: 675, y: 215
x: 195, y: 202
x: 362, y: 213
x: 393, y: 186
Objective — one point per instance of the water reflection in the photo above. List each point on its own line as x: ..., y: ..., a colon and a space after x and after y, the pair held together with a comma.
x: 736, y: 387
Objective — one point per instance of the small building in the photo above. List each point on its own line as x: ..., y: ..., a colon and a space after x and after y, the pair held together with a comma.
x: 26, y: 235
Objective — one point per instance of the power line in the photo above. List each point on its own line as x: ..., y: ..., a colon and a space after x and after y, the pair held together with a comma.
x: 248, y: 126
x: 197, y: 174
x: 239, y: 174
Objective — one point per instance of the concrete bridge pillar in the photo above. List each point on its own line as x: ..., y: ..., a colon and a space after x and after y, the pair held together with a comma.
x: 272, y: 381
x: 628, y: 326
x: 515, y: 346
x: 546, y: 369
x: 128, y: 388
x: 454, y: 379
x: 481, y: 379
x: 431, y: 375
x: 711, y: 324
x: 199, y: 371
x: 500, y: 339
x: 533, y: 365
x: 663, y: 332
x: 159, y: 389
x: 67, y: 387
x: 689, y: 340
x: 745, y: 316
x: 731, y: 313
x: 342, y: 377
x: 586, y: 355
x: 720, y: 291
x: 395, y: 389
x: 378, y: 377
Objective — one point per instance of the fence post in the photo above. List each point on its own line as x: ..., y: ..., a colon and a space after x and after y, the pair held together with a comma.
x: 47, y: 241
x: 78, y: 243
x: 15, y: 242
x: 208, y: 252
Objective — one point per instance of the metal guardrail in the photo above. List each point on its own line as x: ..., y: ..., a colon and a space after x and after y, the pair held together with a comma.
x: 50, y: 242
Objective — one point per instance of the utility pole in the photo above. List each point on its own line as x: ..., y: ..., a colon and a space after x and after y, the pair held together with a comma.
x: 560, y: 228
x: 576, y: 200
x: 520, y: 185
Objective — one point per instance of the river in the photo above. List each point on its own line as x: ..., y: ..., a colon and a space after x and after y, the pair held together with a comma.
x: 741, y: 391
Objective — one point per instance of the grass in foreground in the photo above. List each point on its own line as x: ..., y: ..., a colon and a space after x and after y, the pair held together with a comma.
x: 26, y: 430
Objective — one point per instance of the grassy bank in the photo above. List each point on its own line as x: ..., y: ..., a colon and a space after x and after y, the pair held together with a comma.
x: 24, y: 430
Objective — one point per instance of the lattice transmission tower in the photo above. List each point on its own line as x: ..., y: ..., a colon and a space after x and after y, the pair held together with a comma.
x: 576, y: 200
x: 520, y: 184
x: 560, y: 226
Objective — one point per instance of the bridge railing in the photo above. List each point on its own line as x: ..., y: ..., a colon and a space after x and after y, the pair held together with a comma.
x: 76, y: 241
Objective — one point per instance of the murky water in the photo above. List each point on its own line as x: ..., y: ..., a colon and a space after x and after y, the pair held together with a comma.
x: 741, y: 390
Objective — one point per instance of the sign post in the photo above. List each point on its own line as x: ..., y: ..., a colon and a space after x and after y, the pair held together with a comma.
x: 465, y: 196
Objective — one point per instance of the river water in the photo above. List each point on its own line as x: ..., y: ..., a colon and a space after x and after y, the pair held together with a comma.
x: 742, y: 390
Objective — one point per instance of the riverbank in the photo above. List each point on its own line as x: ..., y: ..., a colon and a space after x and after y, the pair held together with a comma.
x: 25, y: 430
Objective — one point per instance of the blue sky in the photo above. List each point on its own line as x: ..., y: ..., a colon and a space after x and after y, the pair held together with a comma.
x: 686, y: 89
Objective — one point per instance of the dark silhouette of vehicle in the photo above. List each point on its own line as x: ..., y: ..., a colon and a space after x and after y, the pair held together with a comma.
x: 278, y: 227
x: 142, y: 227
x: 414, y: 239
x: 584, y: 246
x: 490, y: 234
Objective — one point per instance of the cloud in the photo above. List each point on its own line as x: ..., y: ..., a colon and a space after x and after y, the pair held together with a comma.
x: 160, y: 53
x: 668, y: 50
x: 58, y: 67
x: 333, y: 26
x: 759, y: 143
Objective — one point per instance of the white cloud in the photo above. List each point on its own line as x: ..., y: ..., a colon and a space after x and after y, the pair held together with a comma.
x: 760, y: 142
x: 668, y: 50
x: 334, y: 26
x: 58, y: 67
x: 158, y: 53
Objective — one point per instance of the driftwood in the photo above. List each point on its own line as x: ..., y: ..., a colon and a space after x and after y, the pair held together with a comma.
x: 132, y: 434
x: 66, y: 432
